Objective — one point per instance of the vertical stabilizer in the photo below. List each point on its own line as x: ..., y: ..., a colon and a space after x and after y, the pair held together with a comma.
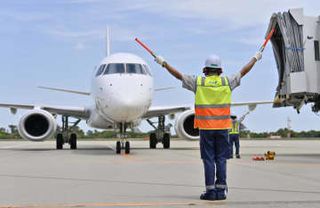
x: 108, y: 41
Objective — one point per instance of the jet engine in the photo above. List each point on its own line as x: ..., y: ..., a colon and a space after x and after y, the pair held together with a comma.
x: 37, y: 125
x: 184, y: 126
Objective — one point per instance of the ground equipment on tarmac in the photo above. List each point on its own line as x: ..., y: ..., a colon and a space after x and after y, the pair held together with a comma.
x: 258, y: 158
x: 270, y: 155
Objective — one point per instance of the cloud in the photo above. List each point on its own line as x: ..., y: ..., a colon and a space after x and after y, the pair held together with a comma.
x: 76, y: 34
x: 235, y: 14
x: 24, y: 17
x: 79, y: 46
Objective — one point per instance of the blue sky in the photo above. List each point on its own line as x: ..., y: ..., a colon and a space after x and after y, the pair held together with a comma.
x: 58, y: 43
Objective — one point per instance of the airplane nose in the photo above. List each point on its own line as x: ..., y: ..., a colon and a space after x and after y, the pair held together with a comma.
x: 127, y: 105
x: 124, y: 103
x: 127, y: 100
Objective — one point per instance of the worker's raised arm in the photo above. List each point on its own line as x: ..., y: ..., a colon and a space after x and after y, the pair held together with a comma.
x: 251, y: 63
x: 160, y: 60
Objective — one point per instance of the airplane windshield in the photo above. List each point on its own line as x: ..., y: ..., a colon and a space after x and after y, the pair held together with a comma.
x: 100, y: 70
x: 135, y: 69
x: 115, y: 69
x: 130, y: 68
x: 145, y: 67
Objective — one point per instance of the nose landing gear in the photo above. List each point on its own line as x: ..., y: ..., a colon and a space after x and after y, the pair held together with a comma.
x: 123, y: 143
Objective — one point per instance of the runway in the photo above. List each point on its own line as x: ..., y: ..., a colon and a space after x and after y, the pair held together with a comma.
x: 37, y: 175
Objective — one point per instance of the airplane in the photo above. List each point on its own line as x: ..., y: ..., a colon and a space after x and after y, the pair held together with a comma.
x: 122, y: 91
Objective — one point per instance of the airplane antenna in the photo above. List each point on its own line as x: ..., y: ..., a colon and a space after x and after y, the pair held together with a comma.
x: 108, y: 41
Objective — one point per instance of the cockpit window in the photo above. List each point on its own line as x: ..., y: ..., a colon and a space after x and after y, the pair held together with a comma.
x: 130, y: 68
x: 146, y: 68
x: 115, y: 69
x: 135, y: 69
x: 100, y: 70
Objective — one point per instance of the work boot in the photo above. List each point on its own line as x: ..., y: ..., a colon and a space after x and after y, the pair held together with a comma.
x: 238, y: 156
x: 209, y: 195
x: 221, y: 194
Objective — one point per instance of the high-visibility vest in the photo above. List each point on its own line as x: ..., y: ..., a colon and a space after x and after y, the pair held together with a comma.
x: 235, y: 127
x: 212, y: 103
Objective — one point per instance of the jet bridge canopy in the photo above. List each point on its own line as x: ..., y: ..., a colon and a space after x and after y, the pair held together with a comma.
x: 295, y: 44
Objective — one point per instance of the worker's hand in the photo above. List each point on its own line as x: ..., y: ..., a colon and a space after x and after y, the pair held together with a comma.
x: 258, y: 56
x: 160, y: 60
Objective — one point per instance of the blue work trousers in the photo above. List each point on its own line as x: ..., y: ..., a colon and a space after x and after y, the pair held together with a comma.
x: 234, y: 140
x: 215, y: 150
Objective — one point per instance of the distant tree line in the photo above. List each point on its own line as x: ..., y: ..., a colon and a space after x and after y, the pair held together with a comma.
x: 283, y: 132
x: 12, y: 133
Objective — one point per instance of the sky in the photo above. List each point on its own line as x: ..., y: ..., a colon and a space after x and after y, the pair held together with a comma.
x: 58, y: 43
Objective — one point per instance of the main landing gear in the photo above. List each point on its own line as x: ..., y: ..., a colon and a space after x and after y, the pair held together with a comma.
x: 123, y: 143
x: 65, y: 136
x: 161, y: 134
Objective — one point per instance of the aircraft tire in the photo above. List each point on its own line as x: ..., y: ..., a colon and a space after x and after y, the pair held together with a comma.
x: 118, y: 147
x: 166, y: 141
x: 153, y: 141
x: 73, y: 141
x: 59, y: 141
x: 127, y: 147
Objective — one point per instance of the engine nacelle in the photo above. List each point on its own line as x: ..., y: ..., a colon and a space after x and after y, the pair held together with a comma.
x: 37, y: 125
x: 184, y: 126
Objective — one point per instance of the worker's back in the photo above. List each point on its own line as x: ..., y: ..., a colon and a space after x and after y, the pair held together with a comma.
x: 212, y: 103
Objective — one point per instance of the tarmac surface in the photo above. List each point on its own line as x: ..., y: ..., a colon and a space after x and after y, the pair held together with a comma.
x: 37, y: 175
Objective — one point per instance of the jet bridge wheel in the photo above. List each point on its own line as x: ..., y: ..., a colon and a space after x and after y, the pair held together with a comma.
x: 118, y: 147
x: 59, y: 141
x: 166, y: 141
x: 73, y: 141
x: 153, y: 141
x: 127, y: 147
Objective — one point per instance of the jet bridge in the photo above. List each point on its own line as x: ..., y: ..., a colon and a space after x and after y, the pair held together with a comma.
x: 295, y: 44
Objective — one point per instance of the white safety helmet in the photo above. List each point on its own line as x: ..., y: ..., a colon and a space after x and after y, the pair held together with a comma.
x: 213, y: 61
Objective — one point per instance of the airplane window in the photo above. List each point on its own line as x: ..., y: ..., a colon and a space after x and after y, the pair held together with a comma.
x: 146, y: 68
x: 143, y: 70
x: 114, y: 69
x: 100, y: 70
x: 135, y: 69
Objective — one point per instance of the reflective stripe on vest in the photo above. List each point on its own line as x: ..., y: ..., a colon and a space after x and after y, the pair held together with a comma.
x: 212, y: 103
x: 235, y: 128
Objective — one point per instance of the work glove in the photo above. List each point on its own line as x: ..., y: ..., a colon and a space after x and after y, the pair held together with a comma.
x: 160, y: 60
x: 258, y: 56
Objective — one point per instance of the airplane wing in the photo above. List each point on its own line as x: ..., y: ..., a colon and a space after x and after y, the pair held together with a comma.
x: 65, y: 90
x: 162, y: 111
x: 163, y: 89
x: 79, y: 112
x: 88, y: 93
x: 251, y: 105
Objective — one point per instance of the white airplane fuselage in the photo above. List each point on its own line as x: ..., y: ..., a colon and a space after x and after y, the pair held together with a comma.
x: 123, y: 88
